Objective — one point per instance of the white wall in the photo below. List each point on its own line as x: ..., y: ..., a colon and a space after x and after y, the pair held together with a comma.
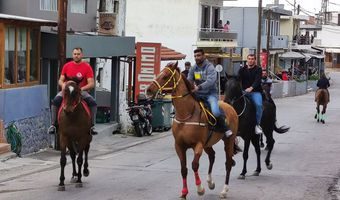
x: 329, y: 36
x: 173, y: 23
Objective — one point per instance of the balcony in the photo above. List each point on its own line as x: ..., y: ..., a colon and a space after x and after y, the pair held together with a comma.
x: 209, y: 37
x: 275, y: 42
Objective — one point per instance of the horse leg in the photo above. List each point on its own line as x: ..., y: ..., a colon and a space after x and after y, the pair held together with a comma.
x: 74, y: 173
x: 62, y: 165
x: 79, y: 183
x: 317, y: 115
x: 323, y: 113
x: 270, y: 145
x: 211, y: 154
x: 195, y: 165
x: 255, y: 142
x: 261, y: 141
x: 86, y: 171
x: 229, y: 152
x: 181, y: 153
x: 245, y: 158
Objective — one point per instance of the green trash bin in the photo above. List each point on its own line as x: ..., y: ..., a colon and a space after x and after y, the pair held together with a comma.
x: 161, y: 109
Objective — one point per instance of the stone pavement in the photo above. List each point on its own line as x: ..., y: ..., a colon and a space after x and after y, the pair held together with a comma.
x: 105, y: 142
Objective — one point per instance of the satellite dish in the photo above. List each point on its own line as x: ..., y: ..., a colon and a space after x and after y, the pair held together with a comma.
x: 219, y: 68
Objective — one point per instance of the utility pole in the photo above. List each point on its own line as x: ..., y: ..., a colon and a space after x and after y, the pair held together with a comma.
x: 259, y: 26
x: 268, y: 38
x: 62, y: 24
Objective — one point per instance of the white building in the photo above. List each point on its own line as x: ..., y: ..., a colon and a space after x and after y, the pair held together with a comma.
x: 180, y: 25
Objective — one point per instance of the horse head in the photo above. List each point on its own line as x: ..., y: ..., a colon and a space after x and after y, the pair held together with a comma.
x: 233, y: 89
x: 72, y: 96
x: 166, y: 81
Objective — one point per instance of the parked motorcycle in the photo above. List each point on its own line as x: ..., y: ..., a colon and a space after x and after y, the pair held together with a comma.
x: 141, y: 116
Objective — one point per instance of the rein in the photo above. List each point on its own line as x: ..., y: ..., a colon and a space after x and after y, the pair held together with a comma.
x: 173, y: 88
x: 244, y: 106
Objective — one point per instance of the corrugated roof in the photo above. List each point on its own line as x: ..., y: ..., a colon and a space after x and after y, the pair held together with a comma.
x: 16, y: 18
x: 291, y: 55
x: 170, y: 54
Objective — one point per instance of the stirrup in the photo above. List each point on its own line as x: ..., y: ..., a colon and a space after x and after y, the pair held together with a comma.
x: 52, y: 129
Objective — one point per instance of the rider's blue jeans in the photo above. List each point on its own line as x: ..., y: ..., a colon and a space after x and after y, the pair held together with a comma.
x: 213, y: 102
x: 256, y: 97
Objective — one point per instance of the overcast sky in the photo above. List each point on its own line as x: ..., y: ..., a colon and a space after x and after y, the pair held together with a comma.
x: 309, y: 5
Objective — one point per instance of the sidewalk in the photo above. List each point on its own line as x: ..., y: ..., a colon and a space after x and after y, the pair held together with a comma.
x: 104, y: 143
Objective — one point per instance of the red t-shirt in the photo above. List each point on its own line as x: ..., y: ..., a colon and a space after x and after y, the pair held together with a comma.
x: 79, y: 71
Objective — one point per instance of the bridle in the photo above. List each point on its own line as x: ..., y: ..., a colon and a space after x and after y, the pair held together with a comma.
x: 75, y: 104
x: 162, y: 88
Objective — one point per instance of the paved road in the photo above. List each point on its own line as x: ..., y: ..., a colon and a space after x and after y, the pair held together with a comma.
x: 306, y: 165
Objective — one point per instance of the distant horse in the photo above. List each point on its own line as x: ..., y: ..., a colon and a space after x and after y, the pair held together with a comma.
x: 190, y: 127
x: 247, y: 122
x: 74, y: 130
x: 321, y: 98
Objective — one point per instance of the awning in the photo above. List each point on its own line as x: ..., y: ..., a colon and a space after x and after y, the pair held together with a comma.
x: 223, y: 55
x: 170, y: 54
x: 332, y: 50
x: 291, y: 55
x: 309, y: 56
x: 19, y: 19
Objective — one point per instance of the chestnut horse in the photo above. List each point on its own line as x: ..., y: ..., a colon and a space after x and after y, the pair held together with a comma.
x: 321, y: 98
x: 190, y: 127
x: 74, y: 132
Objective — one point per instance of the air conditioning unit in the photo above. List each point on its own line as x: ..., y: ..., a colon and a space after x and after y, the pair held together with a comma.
x: 107, y: 23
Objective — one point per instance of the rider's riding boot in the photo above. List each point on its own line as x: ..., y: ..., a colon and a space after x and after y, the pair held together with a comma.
x: 93, y: 118
x: 221, y: 126
x: 52, y: 129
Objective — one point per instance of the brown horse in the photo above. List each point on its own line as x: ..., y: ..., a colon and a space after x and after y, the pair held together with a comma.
x: 190, y: 127
x: 321, y: 98
x: 74, y: 132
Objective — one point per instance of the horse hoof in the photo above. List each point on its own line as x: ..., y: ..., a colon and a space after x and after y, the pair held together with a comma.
x: 86, y: 172
x: 223, y: 195
x: 211, y: 185
x: 201, y: 192
x: 79, y: 185
x: 241, y: 177
x: 61, y: 188
x: 270, y: 166
x: 323, y: 121
x: 318, y: 120
x: 315, y: 116
x: 256, y: 173
x: 73, y: 180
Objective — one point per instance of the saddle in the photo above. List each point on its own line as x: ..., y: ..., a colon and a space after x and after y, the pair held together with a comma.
x: 83, y: 103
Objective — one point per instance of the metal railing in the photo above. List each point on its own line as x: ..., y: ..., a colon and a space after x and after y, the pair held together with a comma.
x: 215, y: 34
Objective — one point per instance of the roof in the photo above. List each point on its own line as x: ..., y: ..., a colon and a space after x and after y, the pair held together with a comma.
x: 305, y: 48
x: 332, y: 50
x: 309, y: 56
x: 170, y: 54
x: 16, y: 18
x: 291, y: 55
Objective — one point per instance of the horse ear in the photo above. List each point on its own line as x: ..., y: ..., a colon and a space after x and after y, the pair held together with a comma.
x: 176, y: 64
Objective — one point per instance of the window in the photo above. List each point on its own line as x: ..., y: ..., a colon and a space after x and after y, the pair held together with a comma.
x: 49, y: 5
x: 9, y: 55
x: 205, y: 17
x: 265, y: 25
x: 78, y: 6
x: 277, y: 28
x: 21, y: 56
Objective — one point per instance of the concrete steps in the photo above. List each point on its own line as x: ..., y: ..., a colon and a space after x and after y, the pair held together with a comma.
x: 5, y: 148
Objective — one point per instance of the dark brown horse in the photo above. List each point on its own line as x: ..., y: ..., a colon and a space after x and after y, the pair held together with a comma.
x: 190, y: 127
x: 74, y: 132
x: 321, y: 98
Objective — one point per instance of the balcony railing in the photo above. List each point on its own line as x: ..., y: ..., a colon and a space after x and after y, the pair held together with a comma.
x: 212, y: 34
x: 275, y: 42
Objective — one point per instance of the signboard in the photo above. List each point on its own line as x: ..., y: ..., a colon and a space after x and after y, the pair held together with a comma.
x: 245, y: 53
x: 148, y: 63
x: 264, y: 56
x: 107, y: 23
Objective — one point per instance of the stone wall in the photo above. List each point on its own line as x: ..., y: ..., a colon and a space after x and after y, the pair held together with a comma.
x: 34, y: 132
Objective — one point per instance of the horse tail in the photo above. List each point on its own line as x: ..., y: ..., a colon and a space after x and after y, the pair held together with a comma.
x: 281, y: 129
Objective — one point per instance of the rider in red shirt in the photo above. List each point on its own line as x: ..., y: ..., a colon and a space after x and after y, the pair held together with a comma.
x: 75, y: 69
